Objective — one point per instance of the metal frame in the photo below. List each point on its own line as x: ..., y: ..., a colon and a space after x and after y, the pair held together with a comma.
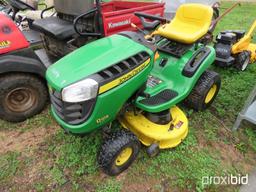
x: 248, y: 111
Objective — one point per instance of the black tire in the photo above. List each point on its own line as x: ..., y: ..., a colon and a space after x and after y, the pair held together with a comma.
x: 199, y: 98
x: 21, y: 96
x: 112, y: 148
x: 242, y: 60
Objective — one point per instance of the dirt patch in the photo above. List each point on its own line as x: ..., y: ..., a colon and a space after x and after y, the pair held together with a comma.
x: 143, y: 186
x: 148, y: 185
x: 19, y: 141
x: 232, y: 157
x: 29, y: 143
x: 228, y: 153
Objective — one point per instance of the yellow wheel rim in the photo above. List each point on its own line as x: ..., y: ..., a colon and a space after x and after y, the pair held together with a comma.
x: 124, y: 156
x: 211, y: 94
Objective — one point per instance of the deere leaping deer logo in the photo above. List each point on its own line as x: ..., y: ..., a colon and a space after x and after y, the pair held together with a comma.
x: 4, y: 44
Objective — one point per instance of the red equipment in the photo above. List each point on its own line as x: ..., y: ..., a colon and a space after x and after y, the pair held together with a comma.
x: 11, y: 38
x: 117, y: 16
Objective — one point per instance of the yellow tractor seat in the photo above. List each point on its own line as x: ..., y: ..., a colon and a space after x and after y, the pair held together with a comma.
x: 191, y: 22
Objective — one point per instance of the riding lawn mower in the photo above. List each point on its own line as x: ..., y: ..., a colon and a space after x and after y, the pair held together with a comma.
x: 25, y: 55
x: 137, y: 78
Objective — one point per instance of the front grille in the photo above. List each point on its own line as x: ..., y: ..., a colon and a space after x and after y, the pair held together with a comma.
x: 71, y: 113
x: 123, y: 67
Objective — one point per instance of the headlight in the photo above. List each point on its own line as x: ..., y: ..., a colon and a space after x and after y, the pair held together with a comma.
x: 81, y: 91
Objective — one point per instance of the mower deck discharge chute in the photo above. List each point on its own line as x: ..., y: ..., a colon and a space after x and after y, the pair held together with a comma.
x: 138, y: 80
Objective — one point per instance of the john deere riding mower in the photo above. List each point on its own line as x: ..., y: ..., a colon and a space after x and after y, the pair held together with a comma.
x: 139, y: 81
x: 234, y: 48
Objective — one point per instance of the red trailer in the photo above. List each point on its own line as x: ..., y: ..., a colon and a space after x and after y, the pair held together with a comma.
x: 118, y: 15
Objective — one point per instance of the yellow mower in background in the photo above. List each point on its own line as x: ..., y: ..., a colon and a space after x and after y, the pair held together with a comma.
x: 235, y: 48
x: 245, y: 44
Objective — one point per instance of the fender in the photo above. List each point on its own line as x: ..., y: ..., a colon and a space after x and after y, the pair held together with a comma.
x: 196, y: 61
x: 22, y: 61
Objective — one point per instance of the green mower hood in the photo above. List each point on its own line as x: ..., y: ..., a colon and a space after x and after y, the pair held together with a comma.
x: 91, y: 59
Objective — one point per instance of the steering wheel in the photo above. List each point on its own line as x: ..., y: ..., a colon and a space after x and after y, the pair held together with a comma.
x: 150, y: 25
x: 19, y: 5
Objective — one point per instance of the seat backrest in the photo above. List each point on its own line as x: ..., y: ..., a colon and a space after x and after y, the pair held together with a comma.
x: 73, y: 7
x: 198, y: 14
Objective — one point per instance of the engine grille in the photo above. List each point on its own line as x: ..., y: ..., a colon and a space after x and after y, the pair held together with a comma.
x: 123, y: 67
x: 71, y: 113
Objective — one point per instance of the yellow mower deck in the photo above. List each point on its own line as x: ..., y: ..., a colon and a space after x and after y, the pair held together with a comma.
x: 166, y: 136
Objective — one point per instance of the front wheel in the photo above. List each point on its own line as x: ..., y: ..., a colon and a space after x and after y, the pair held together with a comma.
x: 21, y: 96
x: 118, y: 152
x: 205, y: 91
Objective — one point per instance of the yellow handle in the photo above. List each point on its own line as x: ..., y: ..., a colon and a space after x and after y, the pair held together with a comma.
x: 253, y: 27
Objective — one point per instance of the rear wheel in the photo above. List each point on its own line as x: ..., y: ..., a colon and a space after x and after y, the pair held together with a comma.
x: 243, y: 60
x: 21, y: 96
x: 118, y: 152
x: 205, y: 91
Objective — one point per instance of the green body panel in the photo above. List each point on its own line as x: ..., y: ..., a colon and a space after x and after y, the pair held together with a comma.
x: 172, y: 78
x: 90, y: 59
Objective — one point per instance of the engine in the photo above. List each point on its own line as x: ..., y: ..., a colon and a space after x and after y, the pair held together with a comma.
x: 224, y: 42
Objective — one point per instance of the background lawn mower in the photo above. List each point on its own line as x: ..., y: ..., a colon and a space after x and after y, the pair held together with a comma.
x: 140, y: 86
x: 234, y: 48
x: 25, y: 56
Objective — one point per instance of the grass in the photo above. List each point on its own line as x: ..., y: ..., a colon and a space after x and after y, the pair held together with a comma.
x: 68, y: 163
x: 8, y: 166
